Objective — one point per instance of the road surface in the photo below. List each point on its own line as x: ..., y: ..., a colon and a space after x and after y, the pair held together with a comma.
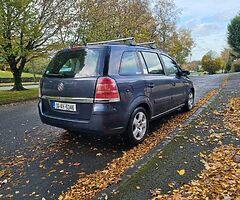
x: 41, y: 162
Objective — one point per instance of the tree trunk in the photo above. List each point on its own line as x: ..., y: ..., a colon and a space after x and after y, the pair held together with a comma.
x: 17, y: 75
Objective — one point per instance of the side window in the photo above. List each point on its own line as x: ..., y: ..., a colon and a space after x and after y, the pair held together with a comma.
x: 170, y: 65
x: 129, y: 64
x: 145, y: 71
x: 153, y: 63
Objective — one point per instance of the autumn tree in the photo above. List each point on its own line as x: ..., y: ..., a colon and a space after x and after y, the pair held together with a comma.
x: 180, y: 45
x: 234, y: 34
x: 211, y: 63
x: 27, y: 30
x: 226, y: 59
x: 166, y: 14
x: 177, y: 42
x: 106, y: 20
x: 94, y: 20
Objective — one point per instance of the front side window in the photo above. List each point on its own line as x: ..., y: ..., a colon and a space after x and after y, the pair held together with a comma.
x: 170, y: 65
x: 77, y: 63
x: 153, y: 63
x: 129, y: 64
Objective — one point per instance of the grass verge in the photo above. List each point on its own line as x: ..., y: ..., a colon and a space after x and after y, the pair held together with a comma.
x: 7, y: 74
x: 7, y: 97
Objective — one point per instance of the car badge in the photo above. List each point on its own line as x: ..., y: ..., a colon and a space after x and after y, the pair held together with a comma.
x: 60, y: 87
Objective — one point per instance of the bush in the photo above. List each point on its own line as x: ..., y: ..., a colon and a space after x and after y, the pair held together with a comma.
x: 211, y: 64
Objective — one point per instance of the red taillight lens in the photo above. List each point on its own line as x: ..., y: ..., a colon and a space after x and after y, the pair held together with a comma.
x: 106, y: 90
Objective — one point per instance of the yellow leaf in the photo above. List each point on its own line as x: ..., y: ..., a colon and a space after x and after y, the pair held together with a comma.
x: 202, y: 155
x: 181, y: 172
x: 60, y: 161
x: 2, y: 173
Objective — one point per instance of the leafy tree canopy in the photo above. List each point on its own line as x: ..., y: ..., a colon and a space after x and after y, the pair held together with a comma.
x: 211, y: 63
x: 234, y: 34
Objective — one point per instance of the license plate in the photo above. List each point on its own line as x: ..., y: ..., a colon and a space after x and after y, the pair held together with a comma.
x: 65, y: 106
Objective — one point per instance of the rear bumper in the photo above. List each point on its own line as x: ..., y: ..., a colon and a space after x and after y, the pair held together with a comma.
x: 105, y: 119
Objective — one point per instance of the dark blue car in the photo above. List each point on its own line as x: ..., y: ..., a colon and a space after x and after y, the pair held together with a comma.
x: 112, y: 88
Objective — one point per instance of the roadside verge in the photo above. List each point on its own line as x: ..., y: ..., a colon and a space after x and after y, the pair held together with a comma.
x: 8, y: 97
x: 179, y: 161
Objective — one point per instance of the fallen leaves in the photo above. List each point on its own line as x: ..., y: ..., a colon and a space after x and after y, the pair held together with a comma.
x: 232, y: 117
x: 76, y: 164
x: 138, y: 187
x: 87, y: 186
x: 219, y: 180
x: 61, y: 161
x: 2, y: 173
x: 181, y: 172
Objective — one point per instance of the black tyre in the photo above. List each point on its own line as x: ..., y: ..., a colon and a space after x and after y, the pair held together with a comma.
x: 189, y: 102
x: 138, y: 126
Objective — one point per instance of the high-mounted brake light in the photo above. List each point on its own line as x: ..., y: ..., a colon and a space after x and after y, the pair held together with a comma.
x: 75, y: 47
x: 106, y: 90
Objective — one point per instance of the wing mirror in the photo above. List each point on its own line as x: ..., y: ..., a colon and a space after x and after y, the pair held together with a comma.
x: 184, y: 73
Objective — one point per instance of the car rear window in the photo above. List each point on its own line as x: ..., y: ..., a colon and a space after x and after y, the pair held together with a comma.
x: 77, y: 63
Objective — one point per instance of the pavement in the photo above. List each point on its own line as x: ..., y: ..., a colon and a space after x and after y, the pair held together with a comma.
x: 25, y: 86
x: 184, y: 152
x: 41, y: 162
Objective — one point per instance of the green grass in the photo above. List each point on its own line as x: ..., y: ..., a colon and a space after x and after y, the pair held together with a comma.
x: 7, y: 97
x: 24, y: 83
x: 7, y: 74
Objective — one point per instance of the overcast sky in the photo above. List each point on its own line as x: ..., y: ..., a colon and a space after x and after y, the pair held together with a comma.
x: 208, y: 20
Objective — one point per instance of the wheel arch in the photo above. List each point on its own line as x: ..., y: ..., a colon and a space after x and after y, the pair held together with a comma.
x: 142, y: 102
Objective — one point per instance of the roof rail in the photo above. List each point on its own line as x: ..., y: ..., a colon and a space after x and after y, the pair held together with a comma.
x: 129, y: 39
x: 150, y: 44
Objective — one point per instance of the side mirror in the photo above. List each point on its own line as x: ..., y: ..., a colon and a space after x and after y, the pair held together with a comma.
x: 185, y: 73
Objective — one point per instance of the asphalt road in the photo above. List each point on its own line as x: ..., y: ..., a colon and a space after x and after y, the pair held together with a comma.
x: 40, y: 162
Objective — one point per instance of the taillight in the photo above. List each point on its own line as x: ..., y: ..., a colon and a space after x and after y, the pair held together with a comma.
x: 106, y: 90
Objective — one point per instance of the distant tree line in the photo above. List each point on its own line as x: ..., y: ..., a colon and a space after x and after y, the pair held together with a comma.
x: 33, y: 29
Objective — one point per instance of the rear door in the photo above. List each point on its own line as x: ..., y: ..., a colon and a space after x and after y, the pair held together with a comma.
x: 130, y: 81
x: 157, y: 84
x: 69, y: 82
x: 178, y: 87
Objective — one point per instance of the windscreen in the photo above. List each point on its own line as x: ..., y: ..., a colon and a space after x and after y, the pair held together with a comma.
x: 78, y: 63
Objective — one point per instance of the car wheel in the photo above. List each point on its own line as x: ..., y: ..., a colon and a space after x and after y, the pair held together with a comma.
x: 138, y: 126
x: 190, y: 102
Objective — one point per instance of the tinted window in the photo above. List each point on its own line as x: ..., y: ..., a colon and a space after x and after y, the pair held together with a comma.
x: 77, y: 63
x: 170, y: 65
x: 153, y: 63
x: 129, y: 64
x: 143, y: 63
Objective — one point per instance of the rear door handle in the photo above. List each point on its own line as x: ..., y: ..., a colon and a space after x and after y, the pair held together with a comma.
x: 151, y: 85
